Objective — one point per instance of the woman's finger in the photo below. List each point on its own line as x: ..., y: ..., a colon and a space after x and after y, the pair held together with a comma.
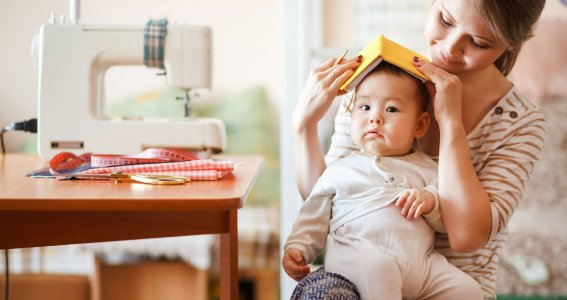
x: 337, y: 72
x: 338, y: 82
x: 430, y: 87
x: 430, y: 70
x: 325, y: 65
x: 330, y: 63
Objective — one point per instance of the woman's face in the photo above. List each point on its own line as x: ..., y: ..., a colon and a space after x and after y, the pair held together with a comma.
x: 459, y: 42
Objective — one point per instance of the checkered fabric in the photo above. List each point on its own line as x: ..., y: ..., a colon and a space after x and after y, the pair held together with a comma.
x: 323, y: 285
x: 204, y: 169
x: 154, y: 43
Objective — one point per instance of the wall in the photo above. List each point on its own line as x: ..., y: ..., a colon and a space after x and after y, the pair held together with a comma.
x: 554, y: 9
x: 338, y: 24
x: 246, y: 41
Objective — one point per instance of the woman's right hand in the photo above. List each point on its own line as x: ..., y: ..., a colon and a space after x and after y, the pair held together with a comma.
x: 321, y: 88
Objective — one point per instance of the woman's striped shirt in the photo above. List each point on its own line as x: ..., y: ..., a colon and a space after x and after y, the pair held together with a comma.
x: 504, y: 147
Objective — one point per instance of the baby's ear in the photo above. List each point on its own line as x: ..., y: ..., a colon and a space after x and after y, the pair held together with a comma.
x: 422, y: 125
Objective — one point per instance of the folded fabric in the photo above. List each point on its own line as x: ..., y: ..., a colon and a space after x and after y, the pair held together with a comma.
x: 154, y: 161
x: 204, y: 169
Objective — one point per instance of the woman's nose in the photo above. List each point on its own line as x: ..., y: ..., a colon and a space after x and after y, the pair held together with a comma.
x: 453, y: 45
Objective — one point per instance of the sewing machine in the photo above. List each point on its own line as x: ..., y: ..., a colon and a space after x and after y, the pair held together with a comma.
x: 72, y: 61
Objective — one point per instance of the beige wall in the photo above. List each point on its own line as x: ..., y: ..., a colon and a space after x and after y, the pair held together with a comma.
x: 339, y: 23
x: 554, y: 9
x: 246, y: 40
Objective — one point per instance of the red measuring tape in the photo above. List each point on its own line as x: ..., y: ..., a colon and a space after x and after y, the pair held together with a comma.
x: 149, y: 156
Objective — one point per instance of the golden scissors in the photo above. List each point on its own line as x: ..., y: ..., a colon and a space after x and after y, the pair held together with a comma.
x: 143, y: 178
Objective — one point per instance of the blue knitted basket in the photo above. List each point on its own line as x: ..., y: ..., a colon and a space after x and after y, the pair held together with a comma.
x: 322, y: 285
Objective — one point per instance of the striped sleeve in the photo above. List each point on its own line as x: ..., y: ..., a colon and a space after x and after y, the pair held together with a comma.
x: 507, y: 168
x: 341, y: 143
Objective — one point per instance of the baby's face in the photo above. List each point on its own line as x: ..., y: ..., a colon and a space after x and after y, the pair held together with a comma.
x: 386, y: 114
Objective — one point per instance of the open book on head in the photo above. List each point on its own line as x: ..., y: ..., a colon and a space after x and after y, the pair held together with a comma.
x: 381, y: 49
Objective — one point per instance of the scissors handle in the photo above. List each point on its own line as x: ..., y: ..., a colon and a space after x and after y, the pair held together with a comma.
x: 160, y: 179
x: 149, y: 179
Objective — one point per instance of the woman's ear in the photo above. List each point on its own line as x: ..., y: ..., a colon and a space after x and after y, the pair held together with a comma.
x: 422, y: 125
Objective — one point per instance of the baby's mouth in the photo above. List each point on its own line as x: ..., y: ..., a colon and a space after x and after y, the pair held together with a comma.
x: 373, y: 133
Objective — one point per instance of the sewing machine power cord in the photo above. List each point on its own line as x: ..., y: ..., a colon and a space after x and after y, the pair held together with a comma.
x: 2, y: 140
x: 27, y: 125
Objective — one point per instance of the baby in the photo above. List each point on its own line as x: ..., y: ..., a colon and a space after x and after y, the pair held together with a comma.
x: 379, y: 205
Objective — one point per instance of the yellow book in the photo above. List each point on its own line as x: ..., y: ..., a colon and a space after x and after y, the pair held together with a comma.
x: 381, y: 49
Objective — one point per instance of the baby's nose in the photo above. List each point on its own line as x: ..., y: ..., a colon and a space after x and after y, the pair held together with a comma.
x: 376, y: 120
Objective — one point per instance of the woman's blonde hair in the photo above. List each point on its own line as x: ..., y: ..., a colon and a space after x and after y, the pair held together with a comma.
x: 512, y: 23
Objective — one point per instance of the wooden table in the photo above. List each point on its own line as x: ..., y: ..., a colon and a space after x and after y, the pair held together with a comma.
x: 46, y: 212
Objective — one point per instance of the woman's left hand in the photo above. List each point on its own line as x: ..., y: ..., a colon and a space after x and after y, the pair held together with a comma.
x: 445, y: 89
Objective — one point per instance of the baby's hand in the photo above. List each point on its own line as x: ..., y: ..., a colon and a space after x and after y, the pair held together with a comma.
x: 415, y: 202
x: 294, y: 264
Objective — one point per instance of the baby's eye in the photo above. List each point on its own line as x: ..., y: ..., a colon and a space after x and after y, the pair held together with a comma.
x: 391, y: 109
x: 365, y: 107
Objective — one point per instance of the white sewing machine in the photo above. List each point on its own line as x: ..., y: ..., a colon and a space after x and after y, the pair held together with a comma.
x: 73, y: 59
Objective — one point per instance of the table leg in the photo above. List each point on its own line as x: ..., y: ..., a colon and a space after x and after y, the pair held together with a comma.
x: 229, y: 258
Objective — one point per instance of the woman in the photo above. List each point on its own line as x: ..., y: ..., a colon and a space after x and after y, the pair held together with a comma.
x: 487, y: 136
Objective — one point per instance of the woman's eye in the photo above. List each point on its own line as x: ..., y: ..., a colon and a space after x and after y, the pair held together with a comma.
x: 365, y: 107
x: 477, y: 45
x: 391, y: 109
x: 443, y: 21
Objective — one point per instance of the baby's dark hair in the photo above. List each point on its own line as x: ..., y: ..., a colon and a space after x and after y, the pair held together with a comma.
x: 389, y: 68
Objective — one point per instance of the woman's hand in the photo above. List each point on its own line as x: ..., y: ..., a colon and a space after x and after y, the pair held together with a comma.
x: 321, y: 88
x: 445, y: 89
x: 294, y: 264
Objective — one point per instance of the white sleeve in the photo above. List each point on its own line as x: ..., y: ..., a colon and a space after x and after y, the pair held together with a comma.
x: 434, y: 216
x: 310, y: 230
